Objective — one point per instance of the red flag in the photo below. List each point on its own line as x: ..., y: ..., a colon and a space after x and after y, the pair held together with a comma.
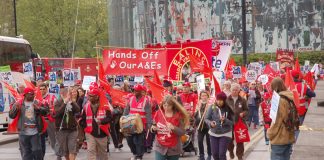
x: 118, y: 97
x: 216, y: 85
x: 158, y: 91
x: 297, y: 66
x: 105, y: 85
x: 217, y: 49
x: 196, y: 65
x: 309, y: 80
x: 269, y: 71
x: 290, y: 84
x: 156, y: 78
x: 103, y: 101
x: 13, y: 92
x: 228, y: 69
x: 29, y: 84
x: 101, y: 73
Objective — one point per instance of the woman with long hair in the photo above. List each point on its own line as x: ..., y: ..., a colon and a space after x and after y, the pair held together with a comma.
x: 219, y: 119
x: 169, y: 125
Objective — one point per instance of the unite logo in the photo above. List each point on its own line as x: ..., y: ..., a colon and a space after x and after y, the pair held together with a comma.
x: 181, y: 58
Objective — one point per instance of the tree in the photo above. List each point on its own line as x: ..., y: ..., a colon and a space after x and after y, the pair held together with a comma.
x: 49, y: 26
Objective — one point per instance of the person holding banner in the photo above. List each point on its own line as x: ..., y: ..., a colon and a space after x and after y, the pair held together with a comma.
x: 281, y: 133
x: 140, y: 104
x: 27, y: 115
x: 219, y: 119
x: 169, y: 125
x: 202, y: 127
x: 240, y: 109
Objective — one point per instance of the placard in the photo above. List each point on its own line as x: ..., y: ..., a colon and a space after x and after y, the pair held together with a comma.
x: 200, y: 83
x: 52, y: 76
x: 87, y: 81
x: 68, y: 77
x: 256, y: 66
x: 237, y: 72
x: 139, y: 79
x: 28, y: 69
x: 225, y: 50
x: 6, y: 76
x: 274, y: 106
x: 251, y: 76
x: 264, y: 79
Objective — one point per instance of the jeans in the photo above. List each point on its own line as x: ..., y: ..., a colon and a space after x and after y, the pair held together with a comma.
x: 253, y: 115
x: 136, y: 144
x: 159, y: 156
x: 281, y: 152
x: 201, y: 135
x: 31, y: 148
x: 219, y: 147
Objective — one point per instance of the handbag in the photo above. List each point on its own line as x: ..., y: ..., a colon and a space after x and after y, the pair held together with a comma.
x: 241, y: 132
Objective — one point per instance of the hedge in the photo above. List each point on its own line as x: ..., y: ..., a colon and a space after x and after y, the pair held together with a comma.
x: 313, y: 57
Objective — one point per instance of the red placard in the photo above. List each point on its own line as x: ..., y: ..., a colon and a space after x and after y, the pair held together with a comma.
x: 285, y: 58
x: 121, y: 61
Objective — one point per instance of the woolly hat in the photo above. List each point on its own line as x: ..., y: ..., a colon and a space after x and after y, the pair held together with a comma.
x: 221, y: 96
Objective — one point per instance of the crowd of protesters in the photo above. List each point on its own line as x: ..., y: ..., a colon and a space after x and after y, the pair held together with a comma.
x: 75, y: 119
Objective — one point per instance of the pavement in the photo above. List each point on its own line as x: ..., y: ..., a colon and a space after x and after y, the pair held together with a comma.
x: 309, y: 145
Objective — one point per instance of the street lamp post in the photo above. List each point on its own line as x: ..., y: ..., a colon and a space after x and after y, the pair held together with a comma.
x: 15, y: 17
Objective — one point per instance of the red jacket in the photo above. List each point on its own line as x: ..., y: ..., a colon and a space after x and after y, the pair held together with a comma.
x: 189, y: 101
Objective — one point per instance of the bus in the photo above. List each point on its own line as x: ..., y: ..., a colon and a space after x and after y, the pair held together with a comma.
x: 14, y: 52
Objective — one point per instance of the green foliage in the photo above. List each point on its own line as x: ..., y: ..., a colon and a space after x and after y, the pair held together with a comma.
x: 312, y: 56
x: 49, y: 26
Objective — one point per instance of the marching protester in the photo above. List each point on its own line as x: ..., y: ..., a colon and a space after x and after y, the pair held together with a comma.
x: 139, y: 104
x: 169, y: 125
x: 254, y: 97
x: 202, y: 127
x: 49, y: 99
x: 227, y: 88
x: 27, y: 116
x: 65, y: 110
x: 188, y: 99
x: 219, y: 119
x: 240, y: 109
x: 281, y: 133
x: 305, y: 93
x: 265, y: 119
x: 95, y: 120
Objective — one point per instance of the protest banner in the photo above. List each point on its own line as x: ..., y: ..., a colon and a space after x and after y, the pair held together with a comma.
x: 68, y: 77
x: 225, y: 50
x: 200, y: 83
x: 285, y: 57
x: 28, y: 69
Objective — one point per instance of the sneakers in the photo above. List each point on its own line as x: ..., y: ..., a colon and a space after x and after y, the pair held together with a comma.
x: 117, y: 149
x: 120, y: 145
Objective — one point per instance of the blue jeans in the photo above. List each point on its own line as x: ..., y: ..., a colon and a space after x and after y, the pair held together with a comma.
x: 219, y: 147
x: 281, y: 152
x: 253, y: 115
x: 30, y: 146
x: 136, y: 144
x: 159, y: 156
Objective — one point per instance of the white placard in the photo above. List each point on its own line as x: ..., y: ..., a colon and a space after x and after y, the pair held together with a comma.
x: 220, y: 61
x: 52, y: 76
x: 275, y: 66
x: 139, y: 79
x: 76, y: 74
x: 87, y: 81
x: 237, y: 72
x: 307, y: 63
x: 274, y: 106
x: 68, y: 77
x: 264, y: 79
x: 54, y: 88
x: 200, y: 83
x: 256, y: 66
x: 251, y: 75
x: 6, y: 76
x: 28, y: 69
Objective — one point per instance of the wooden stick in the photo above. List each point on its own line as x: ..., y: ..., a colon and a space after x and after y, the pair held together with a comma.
x: 202, y: 117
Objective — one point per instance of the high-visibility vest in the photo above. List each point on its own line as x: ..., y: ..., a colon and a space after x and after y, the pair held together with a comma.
x: 101, y: 114
x: 265, y: 112
x: 50, y: 99
x: 138, y: 107
x: 303, y: 104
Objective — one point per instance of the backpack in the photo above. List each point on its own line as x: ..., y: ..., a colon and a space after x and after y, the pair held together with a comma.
x: 292, y: 122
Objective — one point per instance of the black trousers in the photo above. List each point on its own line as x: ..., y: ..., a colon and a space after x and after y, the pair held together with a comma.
x: 201, y: 134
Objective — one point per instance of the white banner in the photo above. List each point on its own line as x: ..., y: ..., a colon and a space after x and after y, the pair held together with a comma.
x: 220, y: 61
x: 28, y: 69
x: 76, y: 74
x: 256, y: 66
x: 68, y: 77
